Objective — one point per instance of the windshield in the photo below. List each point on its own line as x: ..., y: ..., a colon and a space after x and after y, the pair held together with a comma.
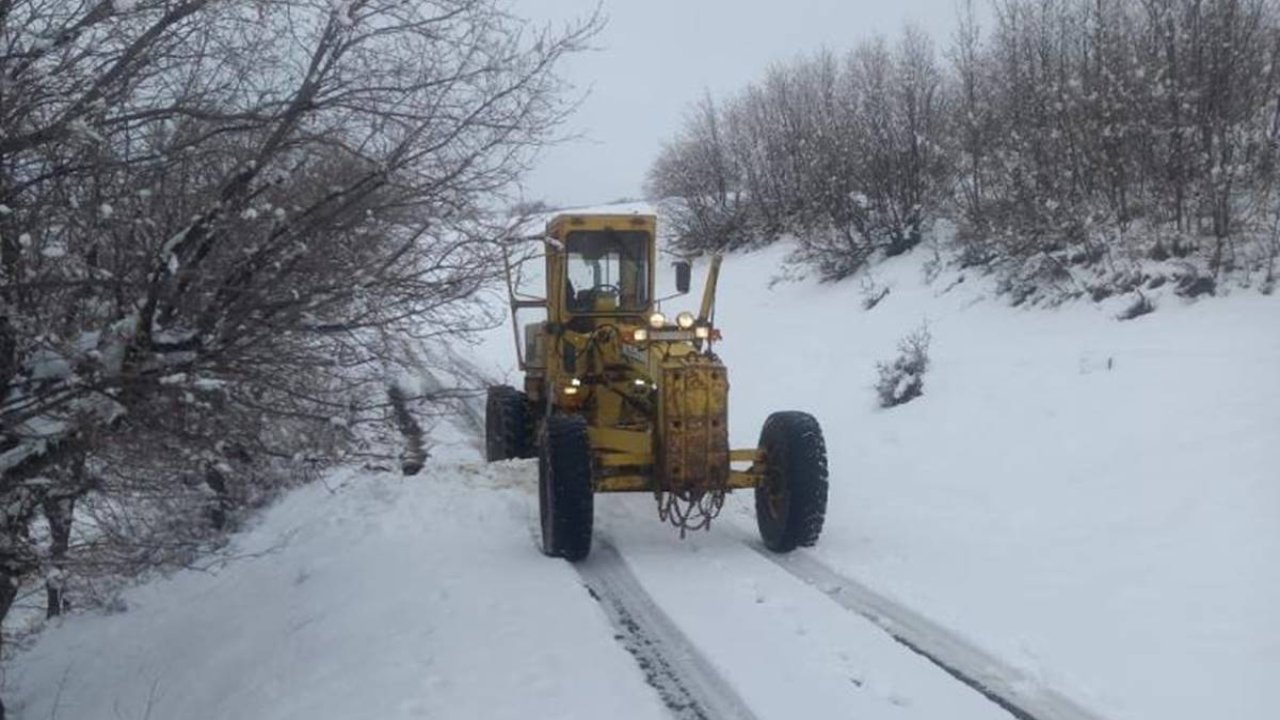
x: 607, y: 271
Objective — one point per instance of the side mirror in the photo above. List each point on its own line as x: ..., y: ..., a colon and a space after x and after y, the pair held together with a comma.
x: 683, y: 273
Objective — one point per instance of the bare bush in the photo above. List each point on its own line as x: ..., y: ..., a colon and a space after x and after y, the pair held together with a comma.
x: 844, y: 153
x: 698, y: 171
x: 1140, y: 306
x: 872, y: 292
x: 902, y: 379
x: 1079, y: 134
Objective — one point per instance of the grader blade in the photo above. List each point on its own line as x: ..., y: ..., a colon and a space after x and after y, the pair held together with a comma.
x: 695, y: 454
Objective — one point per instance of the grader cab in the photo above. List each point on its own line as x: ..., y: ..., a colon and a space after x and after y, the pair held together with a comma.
x: 619, y: 397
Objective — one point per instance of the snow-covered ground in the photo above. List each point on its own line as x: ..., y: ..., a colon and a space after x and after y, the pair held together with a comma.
x: 1091, y: 501
x: 369, y: 596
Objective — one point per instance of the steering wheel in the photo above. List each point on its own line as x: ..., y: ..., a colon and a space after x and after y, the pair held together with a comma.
x: 611, y: 289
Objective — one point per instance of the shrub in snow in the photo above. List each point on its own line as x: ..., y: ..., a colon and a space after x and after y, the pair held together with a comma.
x: 1098, y: 293
x: 1039, y: 277
x: 1193, y: 284
x: 902, y: 380
x: 1141, y: 306
x: 872, y: 292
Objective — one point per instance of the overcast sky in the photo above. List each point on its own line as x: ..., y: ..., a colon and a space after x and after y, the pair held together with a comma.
x: 656, y: 57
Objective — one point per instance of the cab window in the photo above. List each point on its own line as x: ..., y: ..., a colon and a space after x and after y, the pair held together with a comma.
x: 607, y: 271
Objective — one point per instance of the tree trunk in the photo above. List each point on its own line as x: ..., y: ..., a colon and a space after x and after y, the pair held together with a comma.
x: 8, y: 592
x: 59, y: 512
x: 414, y: 455
x: 8, y: 355
x: 221, y: 510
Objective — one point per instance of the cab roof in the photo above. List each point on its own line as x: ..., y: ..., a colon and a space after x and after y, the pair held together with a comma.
x: 564, y: 223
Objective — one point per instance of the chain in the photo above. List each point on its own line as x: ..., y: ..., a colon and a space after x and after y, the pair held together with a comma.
x: 690, y: 509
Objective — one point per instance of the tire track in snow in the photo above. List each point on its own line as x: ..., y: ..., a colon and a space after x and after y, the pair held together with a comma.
x: 999, y: 682
x: 687, y: 683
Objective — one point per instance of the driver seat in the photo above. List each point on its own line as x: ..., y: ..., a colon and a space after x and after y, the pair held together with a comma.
x: 604, y: 302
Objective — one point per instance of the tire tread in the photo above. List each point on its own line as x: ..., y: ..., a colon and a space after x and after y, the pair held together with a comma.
x: 507, y: 422
x: 796, y: 438
x: 567, y: 455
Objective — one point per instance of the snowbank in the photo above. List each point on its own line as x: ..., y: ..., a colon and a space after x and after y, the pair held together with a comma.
x: 1090, y: 499
x: 381, y: 597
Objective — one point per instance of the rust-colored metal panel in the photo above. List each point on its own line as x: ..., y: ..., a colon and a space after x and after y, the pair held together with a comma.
x: 695, y: 434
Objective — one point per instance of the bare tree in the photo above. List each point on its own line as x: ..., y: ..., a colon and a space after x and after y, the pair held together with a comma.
x: 849, y: 155
x: 697, y: 170
x: 972, y: 132
x: 213, y: 215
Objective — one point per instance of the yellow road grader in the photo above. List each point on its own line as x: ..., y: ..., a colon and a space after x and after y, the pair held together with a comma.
x: 618, y: 397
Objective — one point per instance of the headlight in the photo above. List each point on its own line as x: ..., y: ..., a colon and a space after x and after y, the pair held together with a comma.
x: 702, y: 332
x: 640, y: 334
x: 657, y: 321
x: 685, y: 320
x: 572, y: 387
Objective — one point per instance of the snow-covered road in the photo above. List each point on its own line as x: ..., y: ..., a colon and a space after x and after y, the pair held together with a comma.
x: 998, y: 681
x: 689, y: 685
x: 376, y: 596
x: 793, y: 636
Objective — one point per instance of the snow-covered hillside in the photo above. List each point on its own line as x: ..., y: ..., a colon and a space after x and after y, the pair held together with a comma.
x: 1087, y: 503
x: 1091, y: 500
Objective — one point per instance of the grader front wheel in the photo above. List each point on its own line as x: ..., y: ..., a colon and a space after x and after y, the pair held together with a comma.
x: 791, y: 501
x: 565, y: 500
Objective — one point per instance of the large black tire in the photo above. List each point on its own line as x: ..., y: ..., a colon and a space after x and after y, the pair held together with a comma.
x: 566, y: 502
x: 791, y: 503
x: 507, y: 424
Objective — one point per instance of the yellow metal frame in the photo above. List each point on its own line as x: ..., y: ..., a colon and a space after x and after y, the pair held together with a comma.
x: 609, y: 382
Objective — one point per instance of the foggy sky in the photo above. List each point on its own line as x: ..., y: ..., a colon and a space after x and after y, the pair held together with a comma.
x: 656, y: 57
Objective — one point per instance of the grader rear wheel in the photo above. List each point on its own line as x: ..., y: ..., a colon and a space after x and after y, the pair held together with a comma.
x: 507, y: 424
x: 565, y: 500
x: 791, y: 502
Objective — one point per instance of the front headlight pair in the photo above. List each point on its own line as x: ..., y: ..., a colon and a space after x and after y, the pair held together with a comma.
x: 684, y: 320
